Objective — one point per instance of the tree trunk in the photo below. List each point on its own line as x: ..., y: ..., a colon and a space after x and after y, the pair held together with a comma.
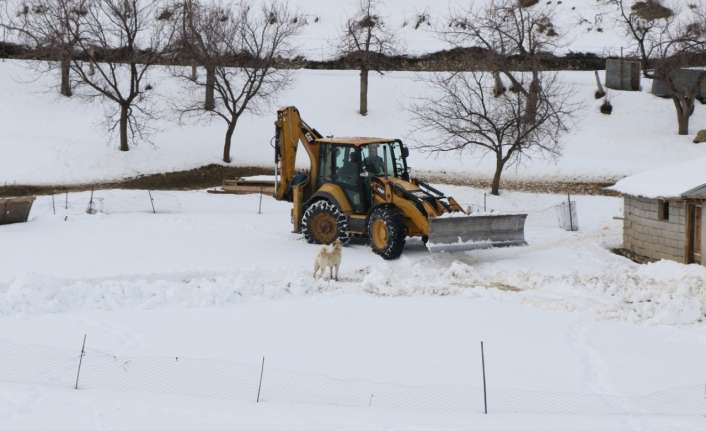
x: 601, y: 90
x: 364, y: 91
x: 228, y: 141
x: 124, y: 110
x: 92, y: 62
x: 499, y: 88
x: 533, y: 100
x: 495, y: 187
x: 683, y: 114
x: 210, y: 103
x: 65, y: 78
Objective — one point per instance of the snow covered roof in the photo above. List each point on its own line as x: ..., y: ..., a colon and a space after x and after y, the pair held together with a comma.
x: 684, y: 180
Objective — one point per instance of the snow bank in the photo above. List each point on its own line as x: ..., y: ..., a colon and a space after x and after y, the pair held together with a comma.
x: 659, y: 293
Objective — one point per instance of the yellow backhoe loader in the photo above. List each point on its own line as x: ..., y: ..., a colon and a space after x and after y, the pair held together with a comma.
x: 360, y: 187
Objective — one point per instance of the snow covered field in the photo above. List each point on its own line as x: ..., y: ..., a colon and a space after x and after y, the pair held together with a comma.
x: 47, y: 139
x: 179, y: 307
x: 190, y: 304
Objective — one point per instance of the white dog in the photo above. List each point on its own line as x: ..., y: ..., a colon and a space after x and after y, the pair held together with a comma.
x: 329, y: 259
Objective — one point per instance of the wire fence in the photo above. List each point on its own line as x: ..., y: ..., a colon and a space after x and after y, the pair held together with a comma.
x: 563, y: 214
x: 244, y: 380
x: 96, y: 202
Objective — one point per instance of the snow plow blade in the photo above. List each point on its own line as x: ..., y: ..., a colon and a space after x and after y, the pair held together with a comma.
x: 476, y: 232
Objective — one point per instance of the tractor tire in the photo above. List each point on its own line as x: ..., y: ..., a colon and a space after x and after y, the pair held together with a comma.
x: 387, y: 232
x: 324, y: 223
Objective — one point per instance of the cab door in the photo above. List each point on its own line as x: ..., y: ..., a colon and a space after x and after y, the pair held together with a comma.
x: 340, y: 165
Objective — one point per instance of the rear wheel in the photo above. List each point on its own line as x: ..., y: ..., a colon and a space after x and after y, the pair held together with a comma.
x: 323, y: 223
x: 387, y: 232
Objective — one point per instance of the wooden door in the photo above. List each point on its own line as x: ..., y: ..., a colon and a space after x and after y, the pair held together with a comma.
x: 698, y: 234
x: 695, y: 234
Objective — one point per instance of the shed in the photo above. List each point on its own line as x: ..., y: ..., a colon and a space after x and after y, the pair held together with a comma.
x: 663, y: 215
x: 621, y: 74
x: 687, y: 79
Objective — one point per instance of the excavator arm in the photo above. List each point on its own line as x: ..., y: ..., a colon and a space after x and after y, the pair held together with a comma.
x: 290, y: 130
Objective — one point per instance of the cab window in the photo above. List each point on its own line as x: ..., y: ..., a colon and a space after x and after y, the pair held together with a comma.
x: 379, y: 160
x: 347, y: 166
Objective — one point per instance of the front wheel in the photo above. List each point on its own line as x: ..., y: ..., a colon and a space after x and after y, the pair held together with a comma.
x: 387, y: 232
x: 323, y: 223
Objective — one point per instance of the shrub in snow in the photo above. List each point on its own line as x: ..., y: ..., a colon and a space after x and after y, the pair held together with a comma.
x: 599, y: 94
x: 700, y: 137
x: 650, y: 10
x: 606, y: 107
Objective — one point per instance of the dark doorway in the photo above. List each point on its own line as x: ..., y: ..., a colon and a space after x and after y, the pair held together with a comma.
x: 695, y: 233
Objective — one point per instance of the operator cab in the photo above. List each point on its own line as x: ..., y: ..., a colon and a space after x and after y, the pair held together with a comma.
x: 351, y: 163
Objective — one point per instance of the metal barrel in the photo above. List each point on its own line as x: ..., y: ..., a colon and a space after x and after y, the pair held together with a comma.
x: 476, y: 232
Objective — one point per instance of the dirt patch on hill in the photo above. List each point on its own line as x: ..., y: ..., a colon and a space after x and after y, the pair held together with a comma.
x: 199, y: 178
x: 213, y: 176
x: 553, y: 186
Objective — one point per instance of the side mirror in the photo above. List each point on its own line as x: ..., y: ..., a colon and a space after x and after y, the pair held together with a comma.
x: 405, y: 152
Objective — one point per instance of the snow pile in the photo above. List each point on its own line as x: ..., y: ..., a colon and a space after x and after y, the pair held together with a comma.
x: 659, y: 293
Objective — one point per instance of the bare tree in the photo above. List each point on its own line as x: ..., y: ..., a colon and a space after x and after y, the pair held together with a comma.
x: 257, y: 37
x: 511, y: 34
x: 366, y: 42
x: 465, y: 115
x: 51, y: 28
x: 185, y: 44
x: 667, y: 41
x: 120, y: 41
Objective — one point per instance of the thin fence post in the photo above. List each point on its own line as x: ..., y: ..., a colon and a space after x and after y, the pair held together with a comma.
x: 485, y: 392
x: 91, y: 210
x: 259, y: 205
x: 485, y: 202
x: 571, y: 215
x: 66, y: 201
x: 370, y: 401
x: 53, y: 204
x: 149, y: 192
x: 259, y: 385
x: 80, y: 360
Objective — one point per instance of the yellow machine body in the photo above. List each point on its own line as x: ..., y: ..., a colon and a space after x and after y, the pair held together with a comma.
x: 398, y: 199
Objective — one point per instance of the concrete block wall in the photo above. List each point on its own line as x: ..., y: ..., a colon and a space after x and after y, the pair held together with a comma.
x: 645, y: 234
x: 684, y: 78
x: 622, y: 74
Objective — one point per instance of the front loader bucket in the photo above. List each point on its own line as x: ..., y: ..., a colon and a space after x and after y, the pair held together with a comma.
x: 476, y: 232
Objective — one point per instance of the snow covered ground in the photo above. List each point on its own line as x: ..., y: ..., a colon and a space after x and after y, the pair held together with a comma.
x: 180, y: 306
x: 47, y: 139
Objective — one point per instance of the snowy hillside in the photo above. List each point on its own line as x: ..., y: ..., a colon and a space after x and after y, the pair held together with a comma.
x: 47, y: 139
x: 589, y: 24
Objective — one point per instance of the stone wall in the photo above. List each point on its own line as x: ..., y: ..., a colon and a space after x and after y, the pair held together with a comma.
x: 645, y: 234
